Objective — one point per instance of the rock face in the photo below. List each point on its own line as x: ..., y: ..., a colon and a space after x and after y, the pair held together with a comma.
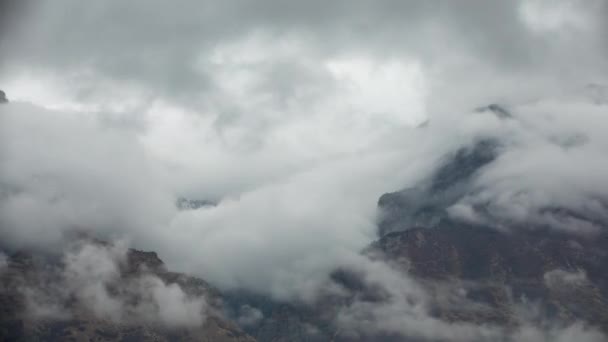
x: 560, y: 272
x: 426, y: 204
x: 193, y: 204
x: 489, y: 277
x: 29, y: 311
x: 564, y: 274
x: 495, y: 109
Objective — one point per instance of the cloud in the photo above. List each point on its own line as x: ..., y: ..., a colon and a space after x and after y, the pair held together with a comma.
x: 248, y: 316
x: 557, y: 278
x: 576, y: 332
x: 91, y: 283
x: 62, y: 171
x: 550, y: 172
x: 106, y: 179
x: 184, y: 53
x: 89, y: 271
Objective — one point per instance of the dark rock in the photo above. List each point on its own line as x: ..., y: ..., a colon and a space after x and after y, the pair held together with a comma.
x: 505, y: 267
x: 3, y: 98
x: 193, y: 204
x: 38, y: 273
x: 425, y: 205
x: 464, y: 164
x: 495, y: 109
x: 143, y: 261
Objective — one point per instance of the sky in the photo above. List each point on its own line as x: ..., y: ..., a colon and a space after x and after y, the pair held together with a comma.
x: 293, y: 116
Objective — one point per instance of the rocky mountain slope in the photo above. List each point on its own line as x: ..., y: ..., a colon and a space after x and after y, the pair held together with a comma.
x: 41, y: 300
x: 473, y: 273
x: 563, y: 274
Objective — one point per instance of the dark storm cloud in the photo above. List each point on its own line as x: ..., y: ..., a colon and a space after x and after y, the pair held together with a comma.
x: 10, y: 11
x: 159, y: 44
x: 11, y: 14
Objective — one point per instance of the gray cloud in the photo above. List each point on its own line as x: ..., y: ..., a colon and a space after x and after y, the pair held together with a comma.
x: 3, y: 262
x: 159, y: 47
x: 554, y: 160
x: 248, y: 316
x: 74, y: 174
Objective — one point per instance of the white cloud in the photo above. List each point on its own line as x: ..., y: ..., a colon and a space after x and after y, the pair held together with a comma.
x: 91, y: 282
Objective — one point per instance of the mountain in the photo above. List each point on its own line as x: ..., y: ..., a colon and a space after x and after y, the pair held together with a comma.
x: 426, y: 266
x: 525, y: 274
x: 563, y: 274
x: 426, y: 204
x: 42, y: 298
x: 193, y: 204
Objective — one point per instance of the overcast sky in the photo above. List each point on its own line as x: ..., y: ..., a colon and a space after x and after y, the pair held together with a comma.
x: 294, y: 115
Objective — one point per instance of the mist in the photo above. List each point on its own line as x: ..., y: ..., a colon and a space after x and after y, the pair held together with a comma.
x: 293, y: 118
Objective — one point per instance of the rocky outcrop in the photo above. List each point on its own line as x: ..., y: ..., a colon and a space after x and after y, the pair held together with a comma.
x: 558, y: 270
x: 488, y: 275
x: 3, y: 98
x: 426, y: 204
x: 193, y: 204
x: 563, y: 273
x: 36, y: 303
x: 496, y: 109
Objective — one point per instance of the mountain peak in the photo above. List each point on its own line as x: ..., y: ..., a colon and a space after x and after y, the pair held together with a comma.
x: 496, y: 109
x: 426, y: 204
